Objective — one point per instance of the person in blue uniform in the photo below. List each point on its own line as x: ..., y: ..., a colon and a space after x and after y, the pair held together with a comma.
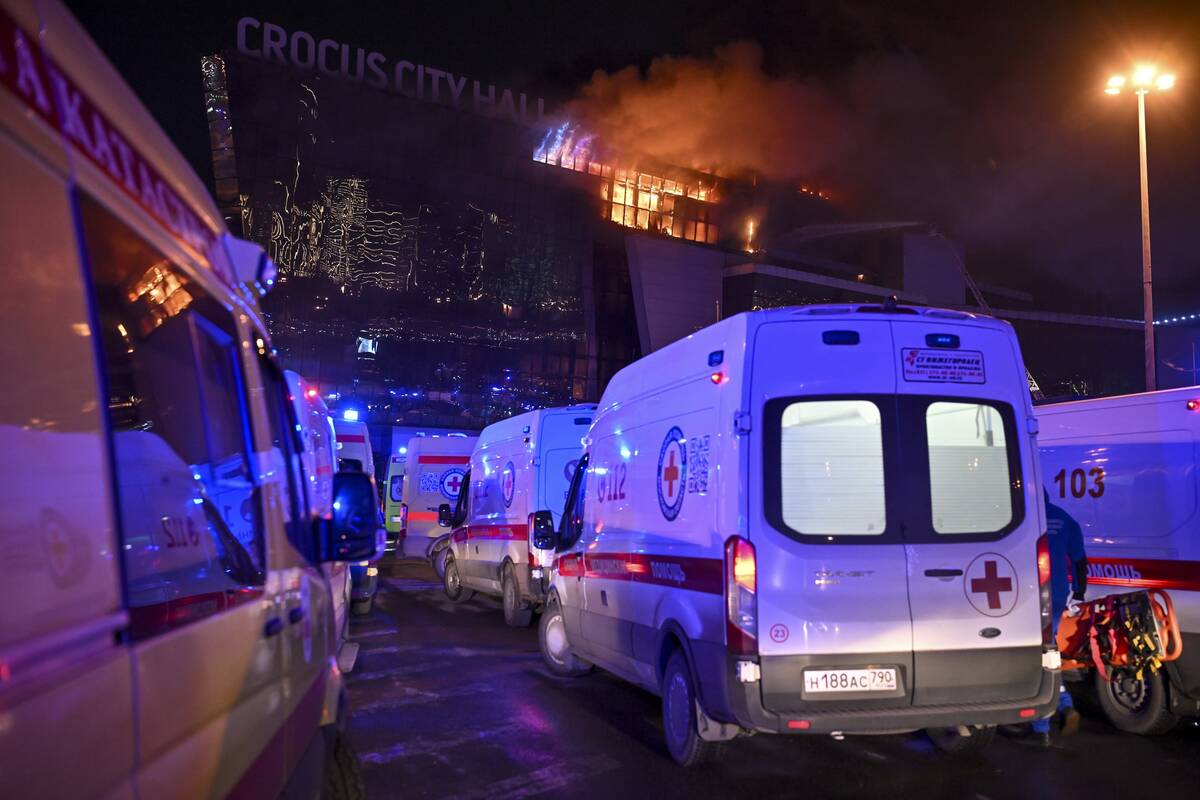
x: 1068, y: 579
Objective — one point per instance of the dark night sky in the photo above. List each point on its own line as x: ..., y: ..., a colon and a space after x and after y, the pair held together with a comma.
x: 991, y: 122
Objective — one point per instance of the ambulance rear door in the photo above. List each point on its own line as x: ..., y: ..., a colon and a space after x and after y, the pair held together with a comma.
x: 833, y: 615
x: 560, y: 444
x: 971, y: 520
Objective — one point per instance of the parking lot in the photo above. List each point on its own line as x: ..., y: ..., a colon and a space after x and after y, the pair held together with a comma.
x: 449, y: 703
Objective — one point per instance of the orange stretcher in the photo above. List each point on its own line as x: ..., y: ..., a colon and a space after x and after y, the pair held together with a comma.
x: 1136, y: 633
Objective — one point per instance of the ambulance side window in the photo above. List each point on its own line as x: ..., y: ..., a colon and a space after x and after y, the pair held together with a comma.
x: 192, y: 544
x: 572, y: 520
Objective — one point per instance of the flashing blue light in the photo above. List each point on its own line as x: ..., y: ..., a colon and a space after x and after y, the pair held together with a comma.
x: 350, y: 415
x: 403, y: 451
x: 198, y: 500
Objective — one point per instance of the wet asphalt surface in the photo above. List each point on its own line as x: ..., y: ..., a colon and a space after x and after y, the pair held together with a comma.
x: 448, y: 702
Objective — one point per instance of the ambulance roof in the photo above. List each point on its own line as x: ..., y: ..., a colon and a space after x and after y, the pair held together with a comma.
x: 441, y: 444
x: 683, y: 358
x: 527, y: 424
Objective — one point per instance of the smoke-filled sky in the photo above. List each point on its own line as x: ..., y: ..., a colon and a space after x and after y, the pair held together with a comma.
x: 989, y: 121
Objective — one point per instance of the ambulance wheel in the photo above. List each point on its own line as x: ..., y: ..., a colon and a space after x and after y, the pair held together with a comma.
x: 453, y: 583
x: 552, y: 640
x: 949, y: 740
x: 361, y: 608
x: 679, y: 717
x: 1136, y: 706
x: 515, y: 616
x: 343, y: 780
x: 439, y: 562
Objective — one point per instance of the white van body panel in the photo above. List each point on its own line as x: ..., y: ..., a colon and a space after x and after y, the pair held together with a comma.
x: 354, y: 442
x: 679, y: 461
x: 519, y: 465
x: 1128, y: 470
x: 433, y: 475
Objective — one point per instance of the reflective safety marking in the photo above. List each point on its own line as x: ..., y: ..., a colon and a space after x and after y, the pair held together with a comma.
x: 353, y: 438
x: 512, y: 533
x: 1144, y: 573
x: 705, y: 575
x: 443, y: 459
x: 422, y: 516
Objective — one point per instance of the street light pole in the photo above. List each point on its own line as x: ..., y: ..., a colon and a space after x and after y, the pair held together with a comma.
x: 1144, y: 78
x: 1147, y: 280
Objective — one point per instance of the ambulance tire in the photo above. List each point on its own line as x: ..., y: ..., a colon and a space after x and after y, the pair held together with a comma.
x: 516, y: 613
x: 552, y: 641
x: 439, y: 562
x: 343, y: 779
x: 1134, y: 706
x: 949, y: 740
x: 680, y: 727
x: 453, y: 583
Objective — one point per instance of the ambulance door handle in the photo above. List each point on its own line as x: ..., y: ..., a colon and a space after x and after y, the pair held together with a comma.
x: 943, y: 573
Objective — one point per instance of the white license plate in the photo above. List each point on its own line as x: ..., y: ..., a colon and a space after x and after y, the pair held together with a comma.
x: 876, y: 679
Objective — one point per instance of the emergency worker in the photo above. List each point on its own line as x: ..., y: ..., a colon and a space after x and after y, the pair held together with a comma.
x: 1068, y: 580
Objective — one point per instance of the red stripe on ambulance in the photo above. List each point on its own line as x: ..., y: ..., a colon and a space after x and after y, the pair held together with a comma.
x: 1144, y: 573
x: 705, y: 575
x: 443, y: 459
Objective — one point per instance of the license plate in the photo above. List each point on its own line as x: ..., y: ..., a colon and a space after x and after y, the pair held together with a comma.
x: 875, y: 679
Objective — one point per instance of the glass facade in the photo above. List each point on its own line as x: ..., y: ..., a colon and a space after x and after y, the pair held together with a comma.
x: 424, y: 230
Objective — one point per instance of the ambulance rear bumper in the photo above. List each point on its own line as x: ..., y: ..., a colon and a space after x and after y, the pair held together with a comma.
x: 742, y: 703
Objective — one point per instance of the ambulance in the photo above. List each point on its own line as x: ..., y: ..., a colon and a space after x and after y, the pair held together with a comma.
x: 520, y: 465
x: 434, y: 475
x: 394, y: 511
x: 318, y: 451
x: 1128, y: 470
x: 821, y: 519
x: 354, y: 451
x: 165, y: 623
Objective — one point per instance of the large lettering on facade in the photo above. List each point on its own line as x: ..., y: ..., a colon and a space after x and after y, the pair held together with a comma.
x: 271, y: 43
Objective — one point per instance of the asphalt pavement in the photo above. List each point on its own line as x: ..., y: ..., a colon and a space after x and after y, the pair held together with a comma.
x: 448, y: 702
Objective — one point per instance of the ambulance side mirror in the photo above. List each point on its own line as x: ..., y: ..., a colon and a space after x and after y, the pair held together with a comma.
x: 445, y: 515
x: 544, y: 536
x: 354, y: 534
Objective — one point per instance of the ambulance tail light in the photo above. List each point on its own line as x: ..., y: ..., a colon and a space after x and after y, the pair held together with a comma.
x: 741, y: 597
x: 1043, y: 568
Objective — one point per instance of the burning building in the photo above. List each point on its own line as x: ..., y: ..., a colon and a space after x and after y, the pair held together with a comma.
x: 498, y: 260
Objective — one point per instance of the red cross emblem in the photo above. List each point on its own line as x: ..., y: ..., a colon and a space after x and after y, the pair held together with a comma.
x: 454, y: 483
x: 991, y: 585
x: 671, y: 474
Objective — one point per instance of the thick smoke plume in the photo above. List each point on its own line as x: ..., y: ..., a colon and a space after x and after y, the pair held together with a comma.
x: 724, y: 115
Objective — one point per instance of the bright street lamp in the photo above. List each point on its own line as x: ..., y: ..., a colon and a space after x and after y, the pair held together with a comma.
x: 1144, y: 78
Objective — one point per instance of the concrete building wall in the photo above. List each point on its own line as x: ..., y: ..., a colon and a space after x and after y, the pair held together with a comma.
x: 676, y: 288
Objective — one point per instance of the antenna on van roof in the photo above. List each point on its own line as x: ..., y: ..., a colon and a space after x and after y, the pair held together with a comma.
x: 889, y: 305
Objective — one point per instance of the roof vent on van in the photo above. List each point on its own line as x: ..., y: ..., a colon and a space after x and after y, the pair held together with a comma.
x: 946, y: 313
x: 825, y: 310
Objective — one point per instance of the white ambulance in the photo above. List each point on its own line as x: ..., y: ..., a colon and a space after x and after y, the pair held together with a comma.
x: 165, y: 624
x: 434, y: 475
x: 354, y: 451
x: 520, y: 465
x: 1128, y: 470
x: 813, y: 520
x: 319, y: 455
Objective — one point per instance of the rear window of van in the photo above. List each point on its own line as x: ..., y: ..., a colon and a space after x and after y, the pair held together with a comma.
x: 887, y: 468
